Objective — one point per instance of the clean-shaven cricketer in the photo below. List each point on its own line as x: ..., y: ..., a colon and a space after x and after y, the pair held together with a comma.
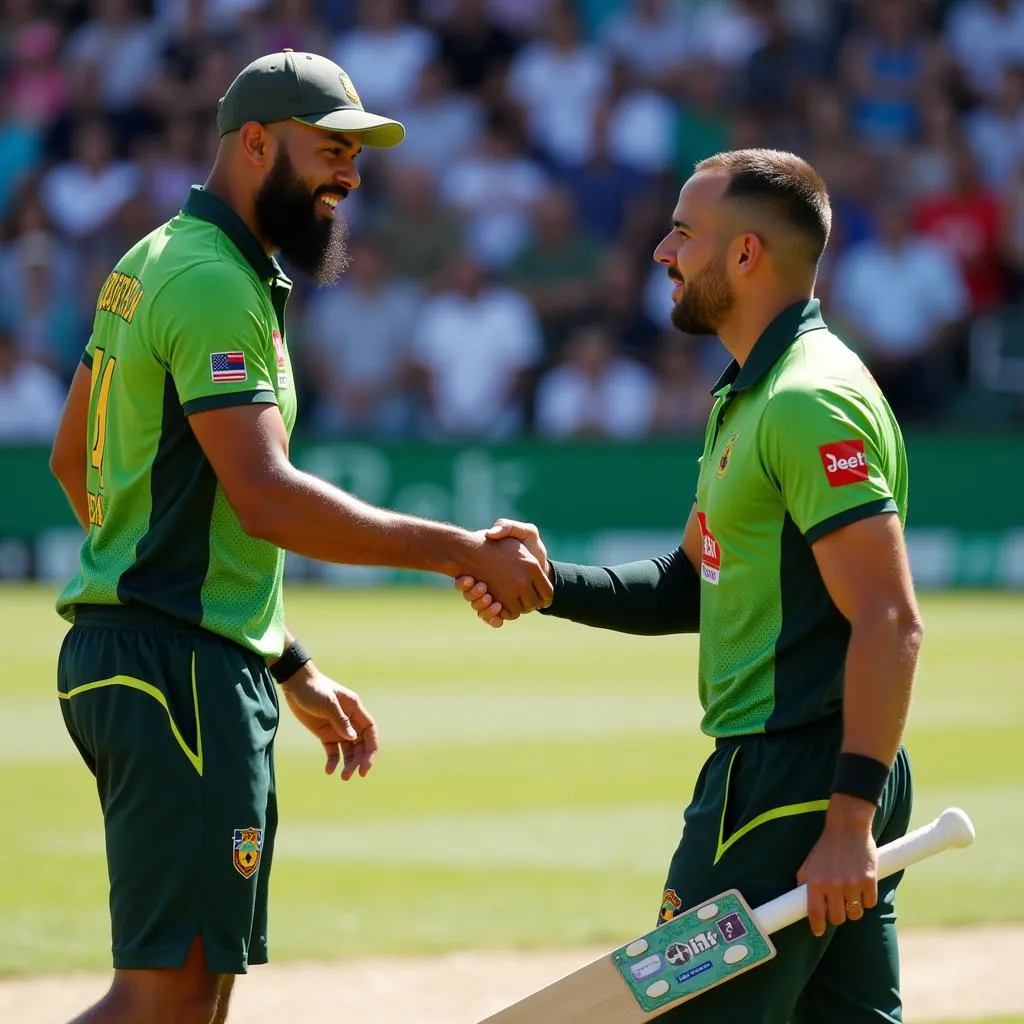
x: 173, y: 451
x: 793, y: 569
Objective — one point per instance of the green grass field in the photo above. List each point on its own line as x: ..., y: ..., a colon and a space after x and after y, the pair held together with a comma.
x: 529, y: 792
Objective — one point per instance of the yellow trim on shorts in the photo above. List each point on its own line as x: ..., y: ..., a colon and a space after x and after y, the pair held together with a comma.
x: 786, y: 811
x: 194, y: 756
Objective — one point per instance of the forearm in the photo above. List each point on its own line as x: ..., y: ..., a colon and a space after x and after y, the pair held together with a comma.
x: 310, y: 517
x: 651, y: 597
x: 880, y: 664
x: 74, y: 486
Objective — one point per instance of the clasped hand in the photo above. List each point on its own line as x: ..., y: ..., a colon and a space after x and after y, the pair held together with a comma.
x: 478, y: 592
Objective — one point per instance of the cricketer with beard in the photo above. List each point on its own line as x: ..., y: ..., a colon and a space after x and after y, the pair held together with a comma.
x: 173, y: 452
x: 793, y: 569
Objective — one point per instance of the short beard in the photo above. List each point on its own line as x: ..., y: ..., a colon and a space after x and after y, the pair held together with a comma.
x: 707, y: 300
x: 288, y: 219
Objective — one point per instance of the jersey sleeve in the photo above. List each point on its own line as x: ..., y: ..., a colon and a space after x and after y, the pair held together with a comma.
x: 823, y: 451
x: 87, y: 354
x: 214, y: 338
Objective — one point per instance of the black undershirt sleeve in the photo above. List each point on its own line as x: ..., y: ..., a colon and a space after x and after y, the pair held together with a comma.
x: 651, y: 597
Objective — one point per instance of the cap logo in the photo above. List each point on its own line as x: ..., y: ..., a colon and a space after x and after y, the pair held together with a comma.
x: 350, y: 89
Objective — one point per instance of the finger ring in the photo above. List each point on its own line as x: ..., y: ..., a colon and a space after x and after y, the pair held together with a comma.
x: 853, y: 903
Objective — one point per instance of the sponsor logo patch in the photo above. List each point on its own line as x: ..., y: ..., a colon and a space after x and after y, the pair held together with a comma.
x: 678, y: 953
x: 671, y: 904
x: 228, y: 367
x: 247, y: 845
x: 694, y: 971
x: 279, y: 350
x: 647, y: 967
x: 731, y: 927
x: 845, y: 462
x: 710, y: 552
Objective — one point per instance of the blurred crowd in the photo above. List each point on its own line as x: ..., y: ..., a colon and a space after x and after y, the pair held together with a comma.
x: 501, y: 282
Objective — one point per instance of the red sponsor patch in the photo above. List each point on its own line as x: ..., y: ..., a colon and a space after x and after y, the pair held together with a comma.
x: 710, y: 552
x: 279, y: 349
x: 844, y: 462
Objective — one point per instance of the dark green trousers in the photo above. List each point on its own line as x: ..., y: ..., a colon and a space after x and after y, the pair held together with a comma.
x: 177, y: 725
x: 758, y: 808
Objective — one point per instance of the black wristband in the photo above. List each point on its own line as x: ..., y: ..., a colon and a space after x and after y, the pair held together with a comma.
x: 292, y: 659
x: 860, y: 776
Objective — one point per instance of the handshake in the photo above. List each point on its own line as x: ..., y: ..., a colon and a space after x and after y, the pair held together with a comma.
x: 518, y: 574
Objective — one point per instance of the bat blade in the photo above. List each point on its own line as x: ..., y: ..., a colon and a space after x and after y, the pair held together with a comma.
x: 594, y: 993
x: 600, y: 992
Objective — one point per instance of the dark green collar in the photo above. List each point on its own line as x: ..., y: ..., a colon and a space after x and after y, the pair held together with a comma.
x: 209, y: 207
x: 793, y: 321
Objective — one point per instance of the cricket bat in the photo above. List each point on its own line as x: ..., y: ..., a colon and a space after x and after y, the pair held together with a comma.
x: 702, y: 947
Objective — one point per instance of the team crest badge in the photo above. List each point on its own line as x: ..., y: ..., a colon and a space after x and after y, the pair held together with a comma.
x: 247, y: 846
x: 723, y: 462
x: 350, y: 89
x: 671, y: 904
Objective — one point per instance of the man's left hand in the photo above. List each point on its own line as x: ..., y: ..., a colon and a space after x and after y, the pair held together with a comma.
x: 335, y: 715
x: 841, y: 871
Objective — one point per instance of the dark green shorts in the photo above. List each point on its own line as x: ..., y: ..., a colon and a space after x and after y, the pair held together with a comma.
x: 758, y: 808
x: 177, y: 724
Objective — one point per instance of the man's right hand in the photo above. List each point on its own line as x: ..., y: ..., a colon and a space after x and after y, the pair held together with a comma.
x: 484, y: 595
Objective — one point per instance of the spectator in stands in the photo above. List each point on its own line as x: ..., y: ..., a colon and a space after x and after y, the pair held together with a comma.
x: 474, y: 347
x: 636, y: 123
x: 965, y: 220
x: 83, y: 194
x: 1012, y: 235
x: 887, y: 67
x: 37, y: 291
x: 594, y: 391
x: 995, y: 130
x: 682, y: 397
x: 617, y: 303
x: 31, y: 397
x: 384, y: 53
x: 170, y: 163
x: 20, y: 147
x: 441, y: 125
x: 494, y: 188
x: 824, y: 134
x: 774, y: 80
x: 604, y: 188
x: 983, y: 36
x: 703, y: 117
x: 290, y: 24
x: 557, y: 270
x: 121, y: 45
x: 357, y: 338
x: 419, y: 232
x: 560, y: 80
x: 901, y: 299
x: 726, y: 33
x: 37, y: 84
x: 472, y: 47
x: 649, y: 36
x: 925, y: 167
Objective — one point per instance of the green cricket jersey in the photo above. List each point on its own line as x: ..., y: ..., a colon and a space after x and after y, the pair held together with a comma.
x: 800, y: 442
x: 191, y: 319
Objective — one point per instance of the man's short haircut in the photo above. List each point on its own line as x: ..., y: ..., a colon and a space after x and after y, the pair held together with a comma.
x: 784, y: 186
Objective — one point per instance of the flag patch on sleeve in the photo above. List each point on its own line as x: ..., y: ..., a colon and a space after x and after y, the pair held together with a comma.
x: 228, y: 367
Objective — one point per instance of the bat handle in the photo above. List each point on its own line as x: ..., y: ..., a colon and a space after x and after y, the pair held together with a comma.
x: 951, y: 828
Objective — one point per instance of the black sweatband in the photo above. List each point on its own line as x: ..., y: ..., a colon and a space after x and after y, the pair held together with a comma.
x: 860, y: 776
x: 292, y: 659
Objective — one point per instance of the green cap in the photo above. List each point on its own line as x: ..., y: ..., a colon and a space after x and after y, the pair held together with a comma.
x: 302, y: 87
